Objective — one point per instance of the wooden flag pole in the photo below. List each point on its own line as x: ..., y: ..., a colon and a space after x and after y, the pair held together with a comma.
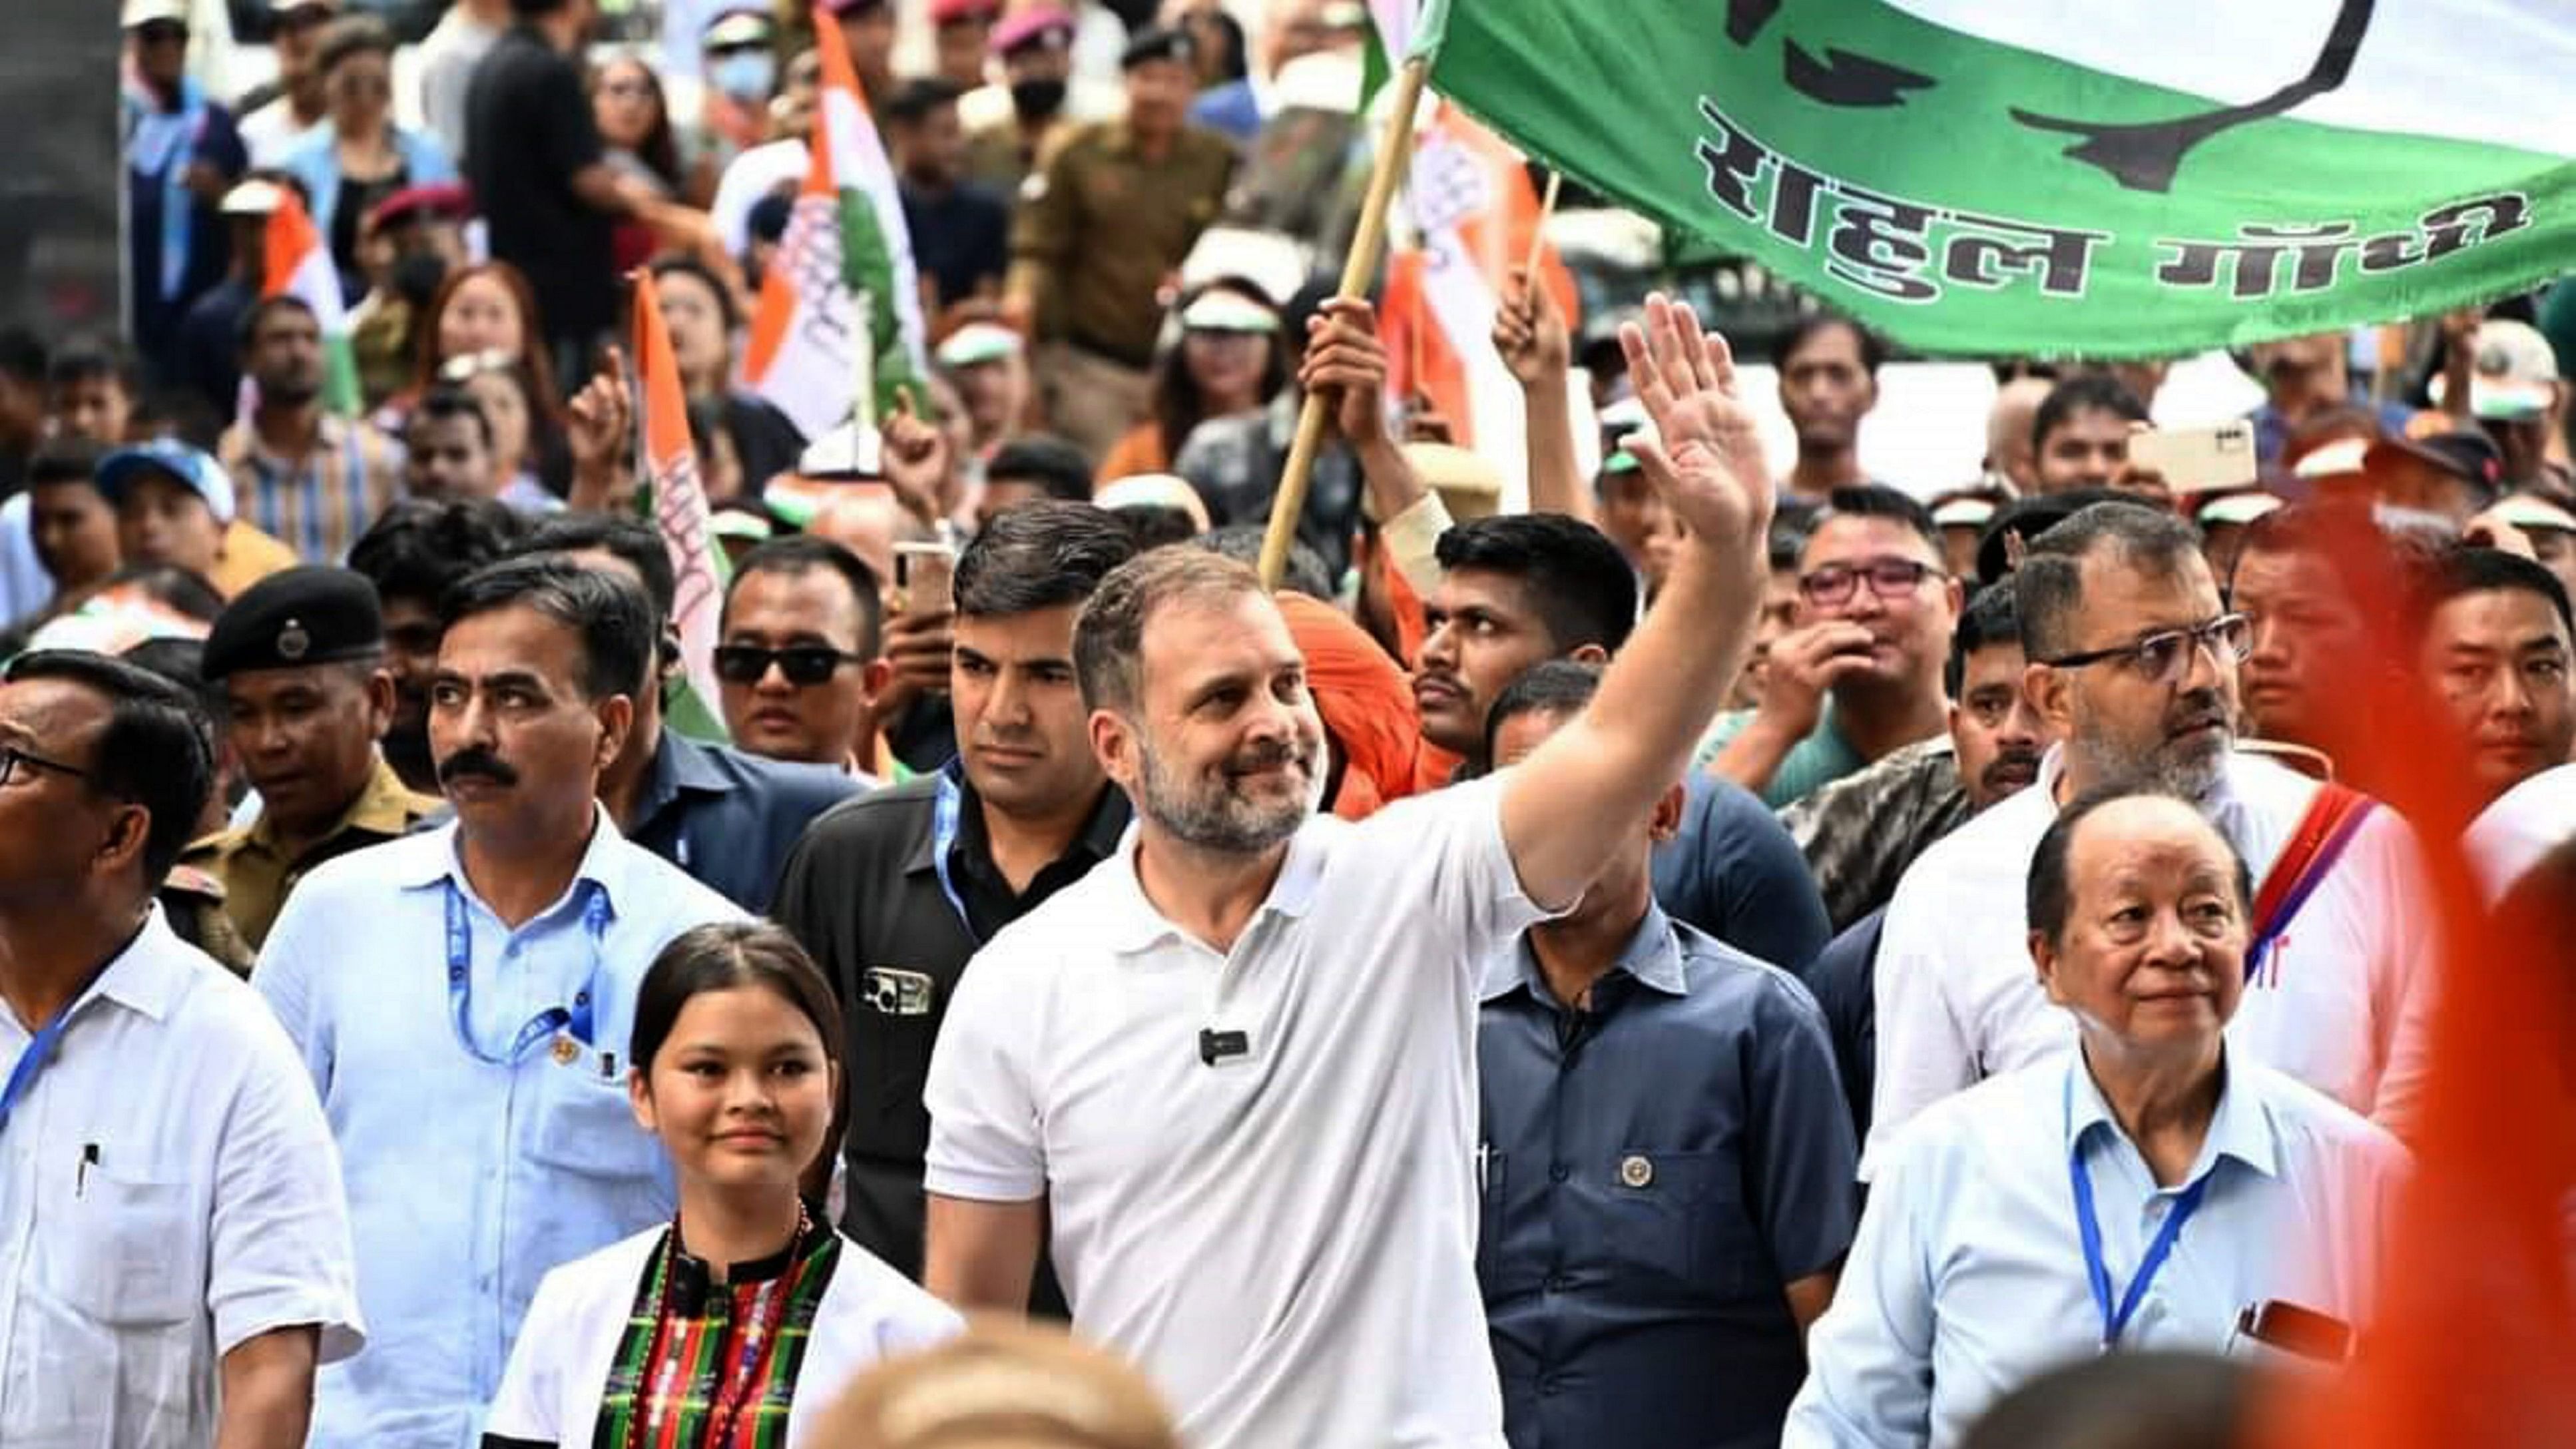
x: 1366, y: 243
x: 1538, y: 230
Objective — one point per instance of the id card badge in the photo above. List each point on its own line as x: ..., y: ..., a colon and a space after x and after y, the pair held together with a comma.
x: 893, y: 991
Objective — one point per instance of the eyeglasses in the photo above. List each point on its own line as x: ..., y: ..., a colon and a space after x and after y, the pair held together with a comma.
x: 11, y: 758
x: 2162, y: 655
x: 1890, y: 580
x: 627, y: 90
x: 805, y: 665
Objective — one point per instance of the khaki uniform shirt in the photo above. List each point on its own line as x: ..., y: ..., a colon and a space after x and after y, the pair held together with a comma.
x: 1100, y: 226
x: 257, y: 874
x: 192, y: 900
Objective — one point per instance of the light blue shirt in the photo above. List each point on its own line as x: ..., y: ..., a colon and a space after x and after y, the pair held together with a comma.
x: 467, y: 1180
x: 1967, y: 1277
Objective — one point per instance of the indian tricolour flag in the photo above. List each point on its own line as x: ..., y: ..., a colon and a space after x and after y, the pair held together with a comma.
x: 846, y: 237
x: 1473, y: 214
x: 674, y: 499
x: 2123, y: 177
x: 295, y: 263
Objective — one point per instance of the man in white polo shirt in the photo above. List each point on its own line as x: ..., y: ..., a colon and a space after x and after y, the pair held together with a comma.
x: 2133, y: 663
x: 1231, y: 1071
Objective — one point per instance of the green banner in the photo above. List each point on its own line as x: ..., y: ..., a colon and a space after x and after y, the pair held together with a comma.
x: 1957, y: 176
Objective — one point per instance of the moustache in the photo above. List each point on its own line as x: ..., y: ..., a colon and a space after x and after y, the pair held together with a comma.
x: 2196, y: 710
x: 2012, y: 764
x: 476, y: 762
x: 1266, y: 757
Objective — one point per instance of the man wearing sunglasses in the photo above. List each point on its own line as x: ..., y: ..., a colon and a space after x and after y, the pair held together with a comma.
x: 2133, y: 666
x: 800, y: 663
x: 1858, y: 676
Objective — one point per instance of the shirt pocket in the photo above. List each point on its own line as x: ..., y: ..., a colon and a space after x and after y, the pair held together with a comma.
x: 1676, y: 1220
x: 133, y: 1249
x: 584, y: 1123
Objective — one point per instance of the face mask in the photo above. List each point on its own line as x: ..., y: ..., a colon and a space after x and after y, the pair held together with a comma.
x: 1037, y: 99
x: 745, y: 75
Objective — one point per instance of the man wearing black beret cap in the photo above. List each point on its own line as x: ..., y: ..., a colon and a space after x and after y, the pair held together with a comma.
x: 299, y: 658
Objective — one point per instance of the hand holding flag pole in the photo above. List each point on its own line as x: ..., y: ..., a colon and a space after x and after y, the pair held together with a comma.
x: 1367, y: 241
x: 1538, y: 230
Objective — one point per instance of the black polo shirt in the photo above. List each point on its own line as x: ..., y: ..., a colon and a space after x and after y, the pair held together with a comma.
x: 861, y: 892
x: 528, y: 130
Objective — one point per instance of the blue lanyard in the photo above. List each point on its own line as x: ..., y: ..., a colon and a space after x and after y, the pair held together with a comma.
x: 47, y: 1043
x: 944, y: 810
x: 2088, y: 1227
x: 574, y: 1020
x: 39, y: 1055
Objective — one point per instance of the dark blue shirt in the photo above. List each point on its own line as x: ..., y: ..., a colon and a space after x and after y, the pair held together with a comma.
x: 1734, y: 872
x: 1841, y: 978
x: 1654, y: 1170
x: 155, y: 318
x: 961, y: 238
x: 728, y: 818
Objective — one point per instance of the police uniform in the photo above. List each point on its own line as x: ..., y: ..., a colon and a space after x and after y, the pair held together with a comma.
x: 891, y: 893
x: 304, y: 617
x: 1100, y: 225
x: 192, y: 900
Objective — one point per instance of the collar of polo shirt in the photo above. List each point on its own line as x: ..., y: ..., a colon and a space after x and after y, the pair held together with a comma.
x: 1138, y: 926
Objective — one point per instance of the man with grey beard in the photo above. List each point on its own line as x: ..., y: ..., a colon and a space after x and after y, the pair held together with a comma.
x: 1230, y: 1074
x: 2133, y: 664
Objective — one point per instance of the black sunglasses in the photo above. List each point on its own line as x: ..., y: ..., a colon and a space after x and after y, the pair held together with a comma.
x: 805, y: 665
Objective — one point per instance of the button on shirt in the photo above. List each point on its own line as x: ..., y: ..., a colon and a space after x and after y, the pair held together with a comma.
x: 1654, y: 1169
x: 1968, y: 1276
x: 1284, y: 1238
x: 468, y: 1180
x: 729, y: 818
x: 1958, y: 998
x: 168, y: 1191
x: 862, y: 894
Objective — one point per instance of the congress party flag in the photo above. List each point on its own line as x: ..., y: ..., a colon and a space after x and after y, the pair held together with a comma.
x: 846, y: 236
x: 1470, y: 202
x: 2120, y: 178
x: 295, y: 263
x: 674, y: 499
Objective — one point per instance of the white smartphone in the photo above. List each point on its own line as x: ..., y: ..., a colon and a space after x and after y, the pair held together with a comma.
x: 2197, y: 460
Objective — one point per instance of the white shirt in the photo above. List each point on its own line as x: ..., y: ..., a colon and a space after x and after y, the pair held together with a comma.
x: 168, y: 1192
x: 1958, y: 998
x: 468, y: 1180
x: 448, y: 56
x: 559, y: 1371
x: 1968, y: 1275
x: 1284, y: 1239
x: 748, y: 177
x: 271, y: 133
x: 2520, y: 827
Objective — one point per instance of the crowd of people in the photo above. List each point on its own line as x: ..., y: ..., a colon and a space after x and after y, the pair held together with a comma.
x: 1727, y: 954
